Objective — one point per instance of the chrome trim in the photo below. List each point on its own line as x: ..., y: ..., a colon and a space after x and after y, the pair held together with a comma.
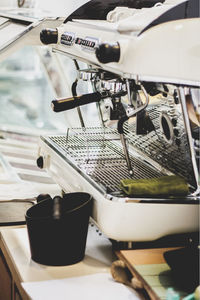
x: 189, y: 136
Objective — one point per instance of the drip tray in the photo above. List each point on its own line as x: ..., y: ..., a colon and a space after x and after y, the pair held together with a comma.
x: 97, y: 154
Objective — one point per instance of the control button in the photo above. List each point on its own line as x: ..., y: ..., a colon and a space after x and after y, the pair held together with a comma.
x: 49, y: 36
x: 107, y: 53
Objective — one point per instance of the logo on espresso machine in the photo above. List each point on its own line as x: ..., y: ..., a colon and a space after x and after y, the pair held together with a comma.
x: 88, y: 43
x: 67, y: 38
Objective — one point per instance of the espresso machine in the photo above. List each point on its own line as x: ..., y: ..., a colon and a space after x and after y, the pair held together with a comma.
x: 143, y: 70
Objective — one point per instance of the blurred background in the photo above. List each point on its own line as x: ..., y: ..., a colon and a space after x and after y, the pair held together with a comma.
x: 32, y: 77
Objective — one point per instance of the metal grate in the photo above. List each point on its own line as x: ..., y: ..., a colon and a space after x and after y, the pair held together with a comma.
x: 92, y: 151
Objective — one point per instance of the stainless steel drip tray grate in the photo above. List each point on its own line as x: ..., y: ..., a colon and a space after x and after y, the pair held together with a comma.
x: 95, y: 154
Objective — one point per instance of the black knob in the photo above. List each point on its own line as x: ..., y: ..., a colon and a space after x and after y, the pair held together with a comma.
x: 107, y: 53
x: 40, y: 162
x: 49, y: 36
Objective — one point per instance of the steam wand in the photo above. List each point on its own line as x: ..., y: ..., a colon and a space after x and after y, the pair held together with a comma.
x: 130, y: 112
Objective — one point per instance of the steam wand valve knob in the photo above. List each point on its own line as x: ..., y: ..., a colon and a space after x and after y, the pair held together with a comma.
x: 106, y: 53
x: 49, y: 36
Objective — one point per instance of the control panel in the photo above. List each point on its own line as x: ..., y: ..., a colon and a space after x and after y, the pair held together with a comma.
x: 104, y: 52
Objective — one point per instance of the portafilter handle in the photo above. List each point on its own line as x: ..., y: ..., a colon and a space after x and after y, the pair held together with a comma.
x: 63, y: 104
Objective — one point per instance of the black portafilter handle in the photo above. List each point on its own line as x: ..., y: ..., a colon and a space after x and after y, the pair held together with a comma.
x: 49, y: 36
x: 72, y: 102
